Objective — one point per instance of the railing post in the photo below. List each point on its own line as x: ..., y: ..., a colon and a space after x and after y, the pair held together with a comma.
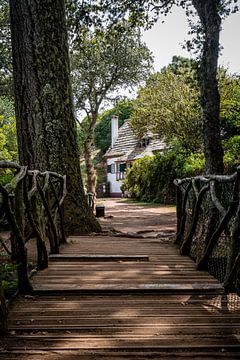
x: 3, y: 310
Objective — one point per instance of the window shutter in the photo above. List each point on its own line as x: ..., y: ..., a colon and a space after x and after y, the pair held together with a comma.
x: 113, y: 168
x: 109, y: 167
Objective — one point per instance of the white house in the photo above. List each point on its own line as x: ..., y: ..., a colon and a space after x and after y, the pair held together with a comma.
x: 126, y: 148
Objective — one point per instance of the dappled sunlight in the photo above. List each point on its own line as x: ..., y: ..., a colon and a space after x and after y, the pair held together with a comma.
x: 115, y: 305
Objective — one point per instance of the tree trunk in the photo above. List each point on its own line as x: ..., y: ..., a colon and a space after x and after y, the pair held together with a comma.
x: 91, y: 173
x: 46, y: 126
x: 210, y: 99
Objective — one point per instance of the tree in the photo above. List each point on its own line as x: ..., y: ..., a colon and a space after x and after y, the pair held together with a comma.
x: 104, y: 62
x: 169, y: 106
x: 210, y: 14
x: 46, y: 126
x: 103, y: 127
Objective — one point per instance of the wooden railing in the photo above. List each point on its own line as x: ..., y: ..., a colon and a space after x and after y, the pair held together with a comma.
x: 208, y: 213
x: 31, y: 204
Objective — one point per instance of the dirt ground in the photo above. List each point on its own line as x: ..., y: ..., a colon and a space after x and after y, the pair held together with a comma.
x: 122, y: 215
x: 129, y: 216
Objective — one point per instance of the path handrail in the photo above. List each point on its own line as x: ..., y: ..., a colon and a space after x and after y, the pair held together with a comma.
x: 32, y: 203
x: 208, y: 213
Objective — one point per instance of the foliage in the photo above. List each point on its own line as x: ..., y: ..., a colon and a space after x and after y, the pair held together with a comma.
x: 230, y: 104
x: 140, y: 12
x: 8, y: 277
x: 151, y: 178
x: 103, y: 128
x: 8, y: 139
x: 169, y: 106
x: 5, y: 50
x: 232, y: 153
x: 105, y: 61
x: 184, y: 67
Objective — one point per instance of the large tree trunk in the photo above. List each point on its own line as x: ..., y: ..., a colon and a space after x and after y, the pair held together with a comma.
x: 43, y: 96
x: 208, y: 13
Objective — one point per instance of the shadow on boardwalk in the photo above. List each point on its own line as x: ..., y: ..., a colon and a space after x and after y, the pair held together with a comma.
x: 108, y: 297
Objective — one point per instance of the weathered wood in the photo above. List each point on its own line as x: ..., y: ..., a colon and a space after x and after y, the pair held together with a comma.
x: 160, y: 308
x: 202, y: 262
x: 3, y: 310
x: 183, y: 214
x: 185, y: 248
x: 42, y: 255
x: 23, y: 280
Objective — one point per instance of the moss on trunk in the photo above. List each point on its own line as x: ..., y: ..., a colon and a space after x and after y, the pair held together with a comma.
x: 46, y: 126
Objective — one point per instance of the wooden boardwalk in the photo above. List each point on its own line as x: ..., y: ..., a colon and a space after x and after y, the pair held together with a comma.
x: 123, y: 298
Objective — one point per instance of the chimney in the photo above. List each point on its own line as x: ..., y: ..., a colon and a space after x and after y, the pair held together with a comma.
x: 114, y: 129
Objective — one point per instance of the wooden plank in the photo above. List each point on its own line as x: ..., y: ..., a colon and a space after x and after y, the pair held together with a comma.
x: 158, y: 342
x: 159, y: 306
x: 97, y: 257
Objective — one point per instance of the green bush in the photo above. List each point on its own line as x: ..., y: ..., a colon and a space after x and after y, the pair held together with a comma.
x: 8, y: 278
x: 232, y: 154
x: 151, y: 178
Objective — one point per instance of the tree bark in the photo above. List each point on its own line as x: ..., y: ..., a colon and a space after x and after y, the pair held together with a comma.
x: 210, y: 99
x: 91, y: 173
x: 46, y: 126
x: 88, y: 143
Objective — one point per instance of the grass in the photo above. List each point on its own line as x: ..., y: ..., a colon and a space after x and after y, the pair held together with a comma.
x: 145, y: 203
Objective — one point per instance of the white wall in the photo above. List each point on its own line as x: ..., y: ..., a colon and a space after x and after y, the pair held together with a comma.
x: 115, y: 185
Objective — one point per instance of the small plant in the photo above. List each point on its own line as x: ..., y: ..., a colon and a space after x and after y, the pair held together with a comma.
x: 9, y: 278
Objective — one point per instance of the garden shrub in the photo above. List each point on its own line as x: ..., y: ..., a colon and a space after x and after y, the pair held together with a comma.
x: 151, y: 178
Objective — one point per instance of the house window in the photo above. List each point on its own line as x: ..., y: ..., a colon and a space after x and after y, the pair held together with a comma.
x: 111, y: 169
x: 121, y: 168
x: 144, y: 142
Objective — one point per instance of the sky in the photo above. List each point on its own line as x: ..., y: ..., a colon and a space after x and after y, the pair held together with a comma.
x: 165, y: 39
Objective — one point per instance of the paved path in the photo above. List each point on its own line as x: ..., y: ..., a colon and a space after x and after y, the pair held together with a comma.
x: 107, y: 297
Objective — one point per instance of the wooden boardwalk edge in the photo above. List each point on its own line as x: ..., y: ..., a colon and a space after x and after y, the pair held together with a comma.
x: 121, y: 305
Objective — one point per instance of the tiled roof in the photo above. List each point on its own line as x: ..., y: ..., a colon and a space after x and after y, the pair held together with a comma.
x: 126, y: 146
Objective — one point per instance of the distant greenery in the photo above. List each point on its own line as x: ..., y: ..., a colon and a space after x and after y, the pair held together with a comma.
x: 8, y: 138
x: 168, y: 105
x: 103, y: 128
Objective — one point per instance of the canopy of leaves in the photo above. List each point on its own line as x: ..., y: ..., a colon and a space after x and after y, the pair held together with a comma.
x: 169, y: 106
x: 229, y: 87
x: 103, y: 128
x: 141, y: 12
x: 104, y: 62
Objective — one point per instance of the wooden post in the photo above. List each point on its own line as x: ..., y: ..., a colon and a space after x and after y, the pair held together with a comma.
x: 3, y: 311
